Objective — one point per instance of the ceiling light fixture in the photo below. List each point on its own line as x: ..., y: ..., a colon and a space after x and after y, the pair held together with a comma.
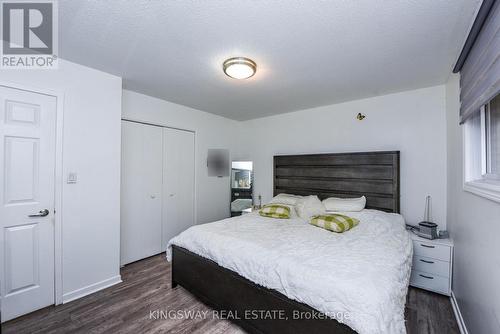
x: 239, y: 67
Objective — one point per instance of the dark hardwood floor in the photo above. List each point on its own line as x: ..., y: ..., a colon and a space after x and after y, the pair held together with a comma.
x: 130, y: 307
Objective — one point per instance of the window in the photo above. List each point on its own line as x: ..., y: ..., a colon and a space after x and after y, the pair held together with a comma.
x: 482, y: 151
x: 492, y: 117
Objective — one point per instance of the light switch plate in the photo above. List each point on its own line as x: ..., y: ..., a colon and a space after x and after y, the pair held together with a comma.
x: 72, y: 178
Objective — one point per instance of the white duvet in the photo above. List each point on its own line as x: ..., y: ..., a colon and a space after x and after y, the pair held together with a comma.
x: 359, y: 277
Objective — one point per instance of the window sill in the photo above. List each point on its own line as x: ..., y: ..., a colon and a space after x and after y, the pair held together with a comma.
x: 485, y: 188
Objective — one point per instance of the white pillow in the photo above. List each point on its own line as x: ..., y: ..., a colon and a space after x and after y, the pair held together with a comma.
x: 286, y: 199
x: 309, y: 206
x: 345, y: 204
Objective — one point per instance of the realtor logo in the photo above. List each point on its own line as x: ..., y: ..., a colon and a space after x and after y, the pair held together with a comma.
x: 29, y: 34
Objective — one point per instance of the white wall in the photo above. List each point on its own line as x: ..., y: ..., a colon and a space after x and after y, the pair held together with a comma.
x: 413, y: 122
x: 474, y: 224
x: 91, y: 148
x: 212, y: 193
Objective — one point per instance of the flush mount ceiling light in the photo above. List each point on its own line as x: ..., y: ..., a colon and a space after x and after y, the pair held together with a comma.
x: 239, y: 67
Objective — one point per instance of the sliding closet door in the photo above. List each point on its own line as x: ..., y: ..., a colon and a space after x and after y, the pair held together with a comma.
x: 141, y: 204
x: 178, y: 182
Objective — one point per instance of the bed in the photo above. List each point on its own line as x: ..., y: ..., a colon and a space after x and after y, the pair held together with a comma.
x: 277, y: 276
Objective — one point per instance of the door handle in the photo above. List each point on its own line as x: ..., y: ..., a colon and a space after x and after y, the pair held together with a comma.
x: 41, y: 213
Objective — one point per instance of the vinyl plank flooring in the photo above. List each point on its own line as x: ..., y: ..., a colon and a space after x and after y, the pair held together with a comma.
x: 125, y: 308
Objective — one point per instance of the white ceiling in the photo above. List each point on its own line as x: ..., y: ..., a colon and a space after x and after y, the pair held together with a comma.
x: 309, y: 53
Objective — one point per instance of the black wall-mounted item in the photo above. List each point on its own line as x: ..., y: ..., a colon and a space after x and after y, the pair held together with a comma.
x: 218, y: 162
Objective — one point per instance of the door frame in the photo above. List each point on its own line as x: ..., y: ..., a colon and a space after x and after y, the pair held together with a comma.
x: 58, y: 184
x: 165, y: 125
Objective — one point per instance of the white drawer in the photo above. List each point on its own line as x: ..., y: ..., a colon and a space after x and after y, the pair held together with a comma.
x: 430, y: 265
x: 434, y: 251
x: 430, y: 282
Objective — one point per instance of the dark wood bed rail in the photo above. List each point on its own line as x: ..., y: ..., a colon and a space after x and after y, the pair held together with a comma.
x: 225, y: 290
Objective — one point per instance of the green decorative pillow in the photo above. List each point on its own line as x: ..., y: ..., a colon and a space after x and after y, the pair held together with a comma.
x: 275, y: 211
x: 334, y: 222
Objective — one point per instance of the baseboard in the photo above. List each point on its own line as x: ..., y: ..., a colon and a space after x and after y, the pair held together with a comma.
x: 458, y: 315
x: 85, y: 291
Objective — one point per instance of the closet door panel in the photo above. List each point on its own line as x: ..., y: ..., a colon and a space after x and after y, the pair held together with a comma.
x: 178, y: 183
x: 141, y: 192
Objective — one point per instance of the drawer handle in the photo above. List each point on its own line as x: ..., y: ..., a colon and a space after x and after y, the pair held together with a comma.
x: 428, y: 277
x: 425, y: 261
x: 427, y: 246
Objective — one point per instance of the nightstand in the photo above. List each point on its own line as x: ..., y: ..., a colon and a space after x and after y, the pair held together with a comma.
x: 432, y: 264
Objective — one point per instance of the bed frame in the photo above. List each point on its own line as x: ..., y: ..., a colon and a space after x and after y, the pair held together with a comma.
x: 373, y: 174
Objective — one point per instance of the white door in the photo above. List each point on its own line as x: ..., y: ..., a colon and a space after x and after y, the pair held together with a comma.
x: 141, y: 191
x: 27, y: 165
x: 178, y: 183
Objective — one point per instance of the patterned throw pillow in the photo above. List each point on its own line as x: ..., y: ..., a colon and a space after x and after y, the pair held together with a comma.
x: 334, y: 222
x: 275, y: 211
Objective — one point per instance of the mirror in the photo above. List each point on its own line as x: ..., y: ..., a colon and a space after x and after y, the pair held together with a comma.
x: 241, y: 187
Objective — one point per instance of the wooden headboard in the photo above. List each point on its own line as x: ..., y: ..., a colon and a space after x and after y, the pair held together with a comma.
x: 372, y: 174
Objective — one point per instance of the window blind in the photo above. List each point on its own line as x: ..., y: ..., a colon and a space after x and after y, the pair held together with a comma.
x: 480, y: 74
